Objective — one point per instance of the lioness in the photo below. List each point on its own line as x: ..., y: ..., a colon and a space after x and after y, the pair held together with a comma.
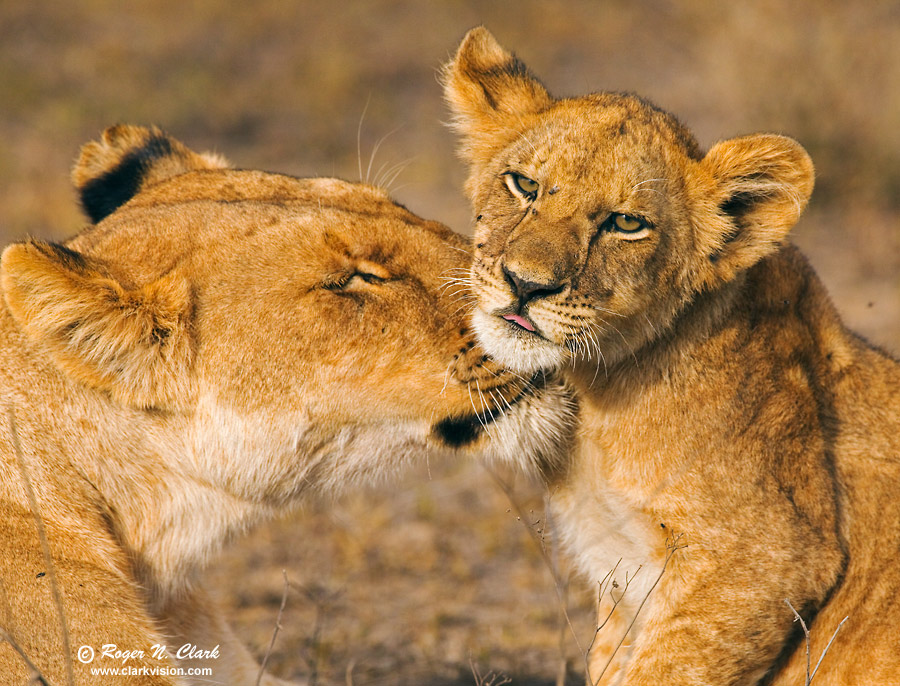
x: 216, y: 345
x: 738, y: 446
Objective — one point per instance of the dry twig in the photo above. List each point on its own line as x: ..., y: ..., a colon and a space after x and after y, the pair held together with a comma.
x: 551, y: 560
x: 811, y: 675
x: 673, y: 545
x: 320, y: 597
x: 35, y: 677
x: 284, y: 594
x: 489, y: 679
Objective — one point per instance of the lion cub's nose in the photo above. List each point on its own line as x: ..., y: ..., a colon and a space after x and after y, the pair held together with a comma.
x: 527, y: 289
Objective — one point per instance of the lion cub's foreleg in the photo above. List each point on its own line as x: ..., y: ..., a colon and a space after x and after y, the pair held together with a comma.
x: 717, y: 619
x: 611, y: 648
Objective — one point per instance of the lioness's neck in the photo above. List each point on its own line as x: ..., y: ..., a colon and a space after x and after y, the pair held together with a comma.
x: 122, y: 470
x: 160, y: 503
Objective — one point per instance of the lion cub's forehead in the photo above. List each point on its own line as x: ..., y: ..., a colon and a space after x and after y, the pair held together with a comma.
x: 605, y: 153
x: 602, y: 135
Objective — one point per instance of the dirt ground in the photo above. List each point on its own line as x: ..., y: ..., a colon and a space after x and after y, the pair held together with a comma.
x: 442, y: 578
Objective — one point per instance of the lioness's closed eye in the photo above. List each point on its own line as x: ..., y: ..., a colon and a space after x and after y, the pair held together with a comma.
x: 738, y: 446
x: 217, y: 344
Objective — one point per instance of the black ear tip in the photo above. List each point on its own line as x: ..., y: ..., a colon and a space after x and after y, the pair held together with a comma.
x: 104, y: 194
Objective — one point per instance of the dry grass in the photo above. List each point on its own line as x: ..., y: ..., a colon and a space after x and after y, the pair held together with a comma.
x: 408, y: 584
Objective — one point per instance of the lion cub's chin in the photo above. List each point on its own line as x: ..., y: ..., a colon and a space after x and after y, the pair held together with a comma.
x: 515, y: 348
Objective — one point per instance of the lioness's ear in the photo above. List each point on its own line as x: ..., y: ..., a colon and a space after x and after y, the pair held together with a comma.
x: 488, y: 88
x: 763, y: 183
x: 132, y: 343
x: 111, y: 171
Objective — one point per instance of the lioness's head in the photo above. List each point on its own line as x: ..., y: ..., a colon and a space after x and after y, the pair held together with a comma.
x: 598, y: 218
x: 306, y: 331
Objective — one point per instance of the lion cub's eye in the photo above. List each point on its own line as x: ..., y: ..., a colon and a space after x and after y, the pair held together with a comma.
x: 628, y: 227
x: 522, y: 185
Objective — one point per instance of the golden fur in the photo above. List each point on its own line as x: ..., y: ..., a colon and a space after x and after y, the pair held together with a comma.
x: 216, y: 345
x: 736, y: 441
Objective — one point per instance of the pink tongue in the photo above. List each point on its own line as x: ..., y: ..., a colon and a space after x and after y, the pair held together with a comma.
x: 521, y: 321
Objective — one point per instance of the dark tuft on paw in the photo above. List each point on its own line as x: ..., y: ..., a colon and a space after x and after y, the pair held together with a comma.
x: 458, y: 432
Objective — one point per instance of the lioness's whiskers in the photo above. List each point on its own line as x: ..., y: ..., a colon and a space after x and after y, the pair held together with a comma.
x: 650, y: 323
x: 499, y: 405
x: 600, y: 355
x: 606, y: 311
x: 377, y: 146
x: 386, y: 179
x: 359, y: 138
x: 463, y: 308
x: 474, y: 409
x: 447, y: 372
x: 462, y: 250
x: 641, y: 183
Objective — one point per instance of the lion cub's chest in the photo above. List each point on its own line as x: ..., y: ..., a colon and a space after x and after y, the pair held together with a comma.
x: 613, y: 542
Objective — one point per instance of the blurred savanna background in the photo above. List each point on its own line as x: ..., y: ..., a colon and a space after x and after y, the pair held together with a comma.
x: 448, y: 576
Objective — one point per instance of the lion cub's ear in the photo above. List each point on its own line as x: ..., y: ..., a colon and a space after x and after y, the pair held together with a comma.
x: 489, y: 90
x: 763, y: 183
x: 111, y: 171
x: 132, y: 343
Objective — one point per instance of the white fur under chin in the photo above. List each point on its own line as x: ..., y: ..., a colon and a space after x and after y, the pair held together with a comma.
x: 535, y: 434
x: 273, y: 460
x: 241, y: 468
x: 522, y: 354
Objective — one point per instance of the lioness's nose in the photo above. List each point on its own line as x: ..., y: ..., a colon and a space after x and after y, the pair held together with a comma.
x: 527, y: 289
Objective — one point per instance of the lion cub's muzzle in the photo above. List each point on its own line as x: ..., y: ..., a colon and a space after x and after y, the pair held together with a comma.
x: 527, y: 290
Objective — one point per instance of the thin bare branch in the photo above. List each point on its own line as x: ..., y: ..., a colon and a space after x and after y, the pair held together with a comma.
x: 551, y: 559
x: 489, y: 679
x: 827, y: 647
x: 284, y: 595
x: 798, y: 618
x: 321, y: 598
x: 810, y: 675
x: 671, y: 549
x: 35, y: 677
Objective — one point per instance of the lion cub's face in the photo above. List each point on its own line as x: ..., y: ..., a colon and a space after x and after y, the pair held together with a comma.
x: 598, y: 218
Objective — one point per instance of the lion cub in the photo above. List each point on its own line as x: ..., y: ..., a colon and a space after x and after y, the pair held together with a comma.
x: 738, y: 447
x: 216, y: 345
